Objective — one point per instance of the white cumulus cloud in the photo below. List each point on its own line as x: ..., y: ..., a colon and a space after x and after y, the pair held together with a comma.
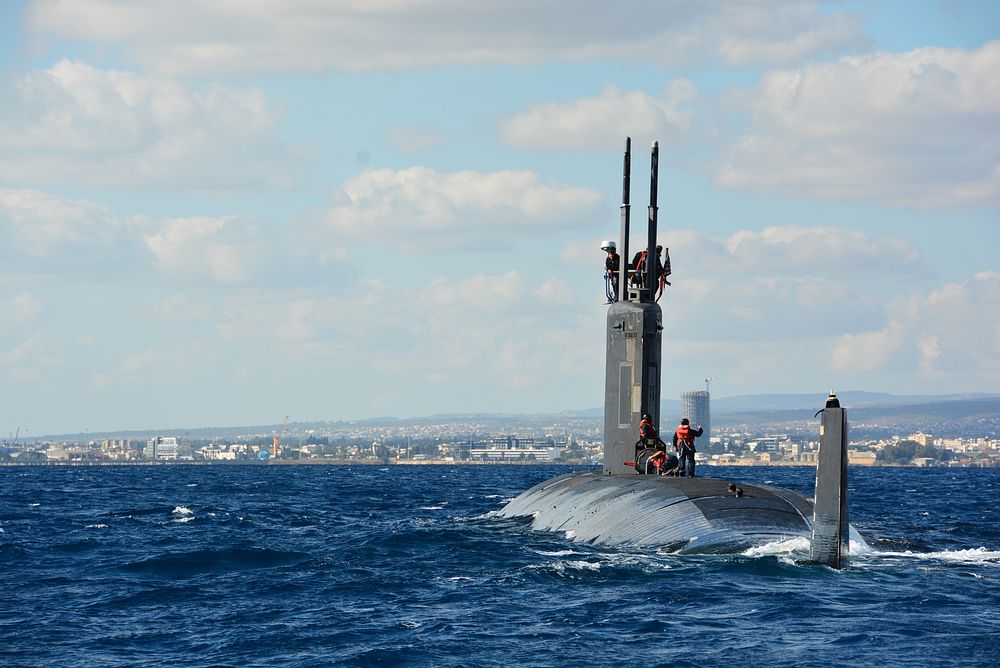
x: 303, y: 35
x: 43, y: 234
x: 920, y: 128
x: 947, y: 335
x: 602, y: 121
x: 190, y: 248
x: 421, y: 208
x: 76, y: 124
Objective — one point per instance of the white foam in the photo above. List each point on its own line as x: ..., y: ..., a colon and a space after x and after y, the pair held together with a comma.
x: 583, y: 565
x: 431, y: 507
x: 91, y: 526
x: 782, y: 547
x: 563, y: 566
x: 979, y: 555
x: 181, y: 520
x: 557, y: 553
x: 182, y: 510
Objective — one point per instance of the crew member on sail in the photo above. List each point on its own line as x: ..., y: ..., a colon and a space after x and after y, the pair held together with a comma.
x: 612, y: 270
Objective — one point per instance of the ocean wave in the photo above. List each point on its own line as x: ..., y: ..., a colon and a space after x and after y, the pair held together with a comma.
x: 318, y: 565
x: 557, y: 553
x: 562, y: 567
x: 198, y: 561
x: 979, y: 555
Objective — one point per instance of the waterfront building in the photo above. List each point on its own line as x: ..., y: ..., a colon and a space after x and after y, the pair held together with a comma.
x: 512, y: 448
x: 860, y: 458
x: 770, y: 443
x: 166, y: 448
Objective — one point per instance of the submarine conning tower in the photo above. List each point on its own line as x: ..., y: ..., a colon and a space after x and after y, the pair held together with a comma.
x: 632, y: 367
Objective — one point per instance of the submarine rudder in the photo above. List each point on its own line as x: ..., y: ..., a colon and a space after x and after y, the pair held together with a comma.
x: 830, y: 544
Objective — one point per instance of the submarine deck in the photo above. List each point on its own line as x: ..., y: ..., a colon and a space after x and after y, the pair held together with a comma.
x: 674, y: 514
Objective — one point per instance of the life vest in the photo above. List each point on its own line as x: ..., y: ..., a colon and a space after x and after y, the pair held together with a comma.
x: 684, y: 436
x: 651, y: 460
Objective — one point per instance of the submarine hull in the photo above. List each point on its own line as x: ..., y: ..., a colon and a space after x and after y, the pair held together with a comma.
x: 686, y: 515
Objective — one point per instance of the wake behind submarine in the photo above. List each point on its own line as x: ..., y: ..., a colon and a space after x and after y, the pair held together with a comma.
x: 623, y: 506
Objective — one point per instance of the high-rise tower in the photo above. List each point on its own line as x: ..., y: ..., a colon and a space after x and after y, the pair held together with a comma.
x: 695, y: 407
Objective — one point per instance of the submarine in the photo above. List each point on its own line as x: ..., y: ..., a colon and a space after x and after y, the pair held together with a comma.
x: 631, y: 503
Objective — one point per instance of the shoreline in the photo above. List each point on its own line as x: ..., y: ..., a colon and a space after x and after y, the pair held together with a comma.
x: 427, y: 462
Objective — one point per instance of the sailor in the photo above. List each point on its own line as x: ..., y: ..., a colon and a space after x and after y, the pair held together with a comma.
x: 660, y: 461
x: 662, y: 270
x: 646, y: 429
x: 639, y: 269
x: 651, y: 452
x: 684, y: 437
x: 648, y: 436
x: 612, y: 270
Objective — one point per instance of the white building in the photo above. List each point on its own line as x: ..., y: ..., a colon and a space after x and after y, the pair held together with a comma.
x: 166, y: 448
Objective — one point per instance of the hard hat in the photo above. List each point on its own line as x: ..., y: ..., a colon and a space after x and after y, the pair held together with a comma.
x: 646, y: 417
x: 608, y: 245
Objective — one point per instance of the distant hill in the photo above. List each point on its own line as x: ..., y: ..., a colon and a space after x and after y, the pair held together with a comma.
x: 849, y: 399
x: 752, y: 403
x: 946, y: 418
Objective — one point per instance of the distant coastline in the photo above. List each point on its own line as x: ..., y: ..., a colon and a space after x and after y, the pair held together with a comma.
x: 424, y: 462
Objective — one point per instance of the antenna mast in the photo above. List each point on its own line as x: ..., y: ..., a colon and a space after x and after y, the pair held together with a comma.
x: 626, y: 211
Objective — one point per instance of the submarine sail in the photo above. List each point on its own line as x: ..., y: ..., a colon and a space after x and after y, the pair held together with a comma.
x: 623, y: 506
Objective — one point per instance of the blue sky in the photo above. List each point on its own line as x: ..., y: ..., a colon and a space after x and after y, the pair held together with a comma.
x: 222, y: 213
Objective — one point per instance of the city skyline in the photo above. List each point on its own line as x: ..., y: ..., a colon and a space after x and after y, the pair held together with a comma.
x: 349, y: 211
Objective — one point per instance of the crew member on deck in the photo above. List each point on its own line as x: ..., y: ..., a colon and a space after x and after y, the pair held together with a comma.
x: 648, y: 436
x: 684, y: 444
x: 649, y: 440
x: 646, y: 429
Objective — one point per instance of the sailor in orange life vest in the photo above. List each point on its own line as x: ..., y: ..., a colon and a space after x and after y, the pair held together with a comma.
x: 647, y: 430
x: 684, y: 443
x: 648, y: 438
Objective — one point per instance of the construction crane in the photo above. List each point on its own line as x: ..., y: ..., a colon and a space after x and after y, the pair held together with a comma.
x: 707, y: 381
x: 277, y: 439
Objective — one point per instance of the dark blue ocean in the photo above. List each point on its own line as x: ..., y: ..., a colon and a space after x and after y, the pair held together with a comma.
x: 408, y: 565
